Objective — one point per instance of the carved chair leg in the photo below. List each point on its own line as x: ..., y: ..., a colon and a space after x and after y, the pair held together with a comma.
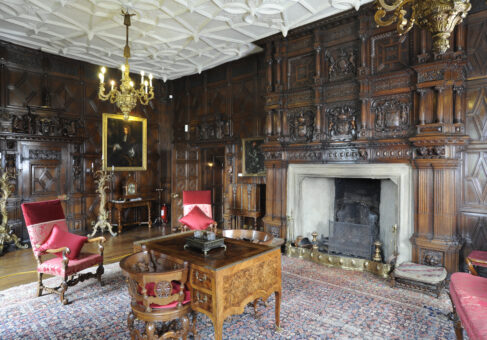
x: 193, y: 328
x: 150, y: 330
x: 185, y: 327
x: 130, y: 325
x: 62, y: 290
x: 99, y: 272
x: 471, y: 268
x: 39, y: 284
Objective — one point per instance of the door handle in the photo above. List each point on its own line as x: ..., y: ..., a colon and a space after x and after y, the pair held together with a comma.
x: 174, y: 195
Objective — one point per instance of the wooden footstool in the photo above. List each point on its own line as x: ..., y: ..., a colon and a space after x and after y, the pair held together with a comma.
x: 419, y: 276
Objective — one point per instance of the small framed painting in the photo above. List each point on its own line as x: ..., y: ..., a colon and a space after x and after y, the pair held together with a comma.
x: 124, y: 143
x: 252, y: 157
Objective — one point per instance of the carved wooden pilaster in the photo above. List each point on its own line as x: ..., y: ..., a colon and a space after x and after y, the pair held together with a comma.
x: 268, y: 59
x: 268, y: 123
x: 439, y: 104
x: 278, y: 59
x: 423, y: 56
x: 459, y: 103
x: 422, y: 106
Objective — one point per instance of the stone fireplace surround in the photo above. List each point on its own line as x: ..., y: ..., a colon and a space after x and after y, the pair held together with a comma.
x: 396, y: 194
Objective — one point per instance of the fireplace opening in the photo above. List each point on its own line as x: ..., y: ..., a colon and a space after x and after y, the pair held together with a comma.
x: 355, y: 226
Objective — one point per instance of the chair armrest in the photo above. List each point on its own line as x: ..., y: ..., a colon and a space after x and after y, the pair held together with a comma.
x: 62, y: 249
x: 100, y: 239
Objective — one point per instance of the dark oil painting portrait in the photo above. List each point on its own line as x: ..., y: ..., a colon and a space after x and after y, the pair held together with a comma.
x: 124, y: 143
x: 253, y: 157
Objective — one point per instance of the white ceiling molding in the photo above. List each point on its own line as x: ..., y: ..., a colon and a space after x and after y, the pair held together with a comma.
x: 170, y: 38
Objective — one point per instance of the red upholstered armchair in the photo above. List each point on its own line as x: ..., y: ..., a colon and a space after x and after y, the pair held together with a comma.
x: 48, y: 233
x: 197, y: 211
x: 476, y: 258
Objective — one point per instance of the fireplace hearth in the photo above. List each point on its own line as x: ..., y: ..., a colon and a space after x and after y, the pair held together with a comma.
x: 347, y: 213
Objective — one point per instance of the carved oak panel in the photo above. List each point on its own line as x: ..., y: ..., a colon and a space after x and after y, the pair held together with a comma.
x: 391, y: 115
x: 341, y: 62
x: 23, y: 88
x: 387, y: 53
x: 301, y: 70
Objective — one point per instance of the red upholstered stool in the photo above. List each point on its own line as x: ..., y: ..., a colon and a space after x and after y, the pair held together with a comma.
x: 468, y: 294
x: 476, y: 258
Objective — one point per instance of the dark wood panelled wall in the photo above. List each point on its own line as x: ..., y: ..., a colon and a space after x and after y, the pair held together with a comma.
x: 337, y: 90
x: 51, y: 132
x: 343, y: 90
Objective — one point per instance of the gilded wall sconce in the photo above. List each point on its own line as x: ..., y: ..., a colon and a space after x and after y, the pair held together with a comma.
x: 437, y: 16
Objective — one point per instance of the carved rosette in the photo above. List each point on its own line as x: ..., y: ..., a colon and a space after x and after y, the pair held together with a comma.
x: 342, y: 122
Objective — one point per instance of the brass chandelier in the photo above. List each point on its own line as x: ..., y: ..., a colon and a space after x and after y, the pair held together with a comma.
x: 126, y: 97
x: 437, y: 16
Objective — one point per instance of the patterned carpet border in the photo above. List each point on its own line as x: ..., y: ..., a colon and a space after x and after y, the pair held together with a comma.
x: 318, y: 303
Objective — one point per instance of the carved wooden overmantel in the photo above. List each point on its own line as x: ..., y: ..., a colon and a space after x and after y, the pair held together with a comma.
x: 371, y: 97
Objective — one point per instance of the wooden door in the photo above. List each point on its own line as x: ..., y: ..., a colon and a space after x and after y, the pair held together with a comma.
x: 43, y: 173
x: 185, y: 171
x: 212, y: 161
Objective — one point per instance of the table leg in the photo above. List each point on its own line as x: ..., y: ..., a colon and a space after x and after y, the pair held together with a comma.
x: 278, y: 309
x: 148, y: 215
x: 119, y: 212
x: 218, y: 325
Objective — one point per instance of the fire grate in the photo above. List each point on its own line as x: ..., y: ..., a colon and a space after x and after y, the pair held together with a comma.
x: 351, y: 239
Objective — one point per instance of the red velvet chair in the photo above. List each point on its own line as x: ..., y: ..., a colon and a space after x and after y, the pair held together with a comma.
x: 48, y: 233
x: 197, y: 211
x: 476, y: 258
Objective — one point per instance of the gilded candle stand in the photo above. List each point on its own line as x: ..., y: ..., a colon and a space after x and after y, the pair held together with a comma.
x: 104, y: 178
x: 6, y: 234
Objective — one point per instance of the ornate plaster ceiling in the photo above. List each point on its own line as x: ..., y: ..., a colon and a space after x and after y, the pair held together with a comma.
x: 170, y: 38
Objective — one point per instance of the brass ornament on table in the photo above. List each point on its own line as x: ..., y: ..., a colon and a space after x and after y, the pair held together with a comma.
x: 6, y: 234
x: 104, y: 177
x: 437, y: 16
x: 126, y: 97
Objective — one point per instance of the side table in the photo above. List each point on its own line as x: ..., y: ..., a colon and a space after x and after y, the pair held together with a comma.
x: 119, y: 206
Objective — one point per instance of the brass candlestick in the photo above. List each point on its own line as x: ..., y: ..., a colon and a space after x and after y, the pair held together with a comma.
x: 377, y: 257
x: 315, y: 241
x: 104, y: 177
x: 6, y: 234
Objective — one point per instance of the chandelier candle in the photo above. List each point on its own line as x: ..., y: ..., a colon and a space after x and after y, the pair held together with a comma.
x: 127, y: 96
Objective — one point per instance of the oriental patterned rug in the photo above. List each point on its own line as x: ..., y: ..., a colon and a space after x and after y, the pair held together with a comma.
x: 318, y: 303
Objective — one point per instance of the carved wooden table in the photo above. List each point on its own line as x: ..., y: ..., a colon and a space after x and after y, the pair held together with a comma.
x: 119, y: 206
x: 224, y: 282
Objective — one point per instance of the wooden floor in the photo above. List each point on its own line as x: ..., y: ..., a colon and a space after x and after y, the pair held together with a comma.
x: 19, y: 266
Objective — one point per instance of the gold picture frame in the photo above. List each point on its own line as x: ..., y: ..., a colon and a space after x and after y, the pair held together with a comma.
x: 252, y: 157
x: 124, y: 143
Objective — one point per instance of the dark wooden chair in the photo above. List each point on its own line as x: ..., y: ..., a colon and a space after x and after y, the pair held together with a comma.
x: 476, y: 258
x: 156, y: 284
x: 46, y: 225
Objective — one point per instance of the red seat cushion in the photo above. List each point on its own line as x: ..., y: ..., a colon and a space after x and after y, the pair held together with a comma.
x: 54, y: 266
x: 196, y: 219
x: 60, y: 238
x: 469, y: 295
x: 478, y: 255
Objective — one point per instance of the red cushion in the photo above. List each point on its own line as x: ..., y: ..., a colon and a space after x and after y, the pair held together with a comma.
x: 196, y: 197
x: 478, y: 255
x: 59, y: 238
x: 196, y: 219
x: 176, y: 286
x: 469, y: 295
x: 38, y: 212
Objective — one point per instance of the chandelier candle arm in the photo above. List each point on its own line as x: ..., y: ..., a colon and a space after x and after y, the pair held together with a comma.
x: 437, y: 16
x: 127, y: 95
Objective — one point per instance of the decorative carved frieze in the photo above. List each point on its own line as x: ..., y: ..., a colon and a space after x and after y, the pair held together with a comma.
x: 391, y: 115
x: 214, y: 130
x: 304, y: 155
x: 345, y: 154
x: 301, y: 124
x: 339, y: 92
x: 431, y: 152
x: 431, y: 75
x: 273, y: 155
x: 299, y: 98
x: 394, y: 81
x: 342, y: 63
x: 52, y: 126
x: 44, y: 155
x: 342, y: 122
